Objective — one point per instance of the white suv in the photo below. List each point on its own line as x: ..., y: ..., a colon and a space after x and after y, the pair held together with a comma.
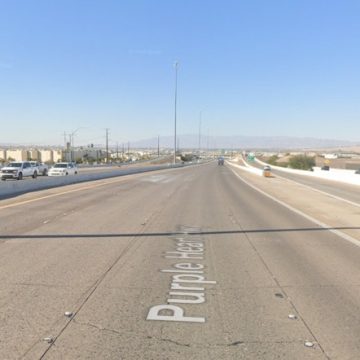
x: 18, y: 170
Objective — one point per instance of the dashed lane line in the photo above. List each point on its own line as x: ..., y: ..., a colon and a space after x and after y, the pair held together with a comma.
x: 87, y: 187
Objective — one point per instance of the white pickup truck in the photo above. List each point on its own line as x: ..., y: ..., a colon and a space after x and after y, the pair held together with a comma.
x: 18, y: 170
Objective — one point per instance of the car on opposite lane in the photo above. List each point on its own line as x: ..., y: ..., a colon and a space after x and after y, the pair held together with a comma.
x: 18, y: 170
x: 41, y: 167
x: 63, y: 169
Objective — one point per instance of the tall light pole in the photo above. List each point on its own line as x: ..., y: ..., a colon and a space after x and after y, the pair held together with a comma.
x: 72, y: 146
x: 66, y: 147
x: 73, y: 134
x: 199, y: 134
x: 176, y: 64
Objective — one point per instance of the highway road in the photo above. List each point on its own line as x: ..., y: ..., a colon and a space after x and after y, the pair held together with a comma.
x: 343, y: 190
x: 190, y: 263
x: 11, y: 188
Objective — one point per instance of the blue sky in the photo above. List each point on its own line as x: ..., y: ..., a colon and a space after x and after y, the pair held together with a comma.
x: 281, y: 67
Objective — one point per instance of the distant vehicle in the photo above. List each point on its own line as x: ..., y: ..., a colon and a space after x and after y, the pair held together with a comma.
x: 63, y: 169
x: 267, y: 171
x: 220, y: 161
x: 42, y: 168
x: 357, y: 171
x: 18, y: 170
x: 325, y: 167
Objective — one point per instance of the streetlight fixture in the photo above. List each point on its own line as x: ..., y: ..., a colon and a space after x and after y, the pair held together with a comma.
x: 71, y: 138
x: 176, y: 65
x: 73, y: 133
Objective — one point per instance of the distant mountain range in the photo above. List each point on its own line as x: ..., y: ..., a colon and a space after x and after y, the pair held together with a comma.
x: 227, y: 142
x: 244, y: 142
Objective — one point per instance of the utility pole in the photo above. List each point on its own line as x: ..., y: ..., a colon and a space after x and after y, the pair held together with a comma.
x: 128, y: 151
x: 65, y: 139
x: 117, y: 151
x: 107, y: 145
x: 70, y: 148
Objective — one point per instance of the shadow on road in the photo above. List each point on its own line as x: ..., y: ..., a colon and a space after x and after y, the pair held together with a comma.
x: 176, y: 233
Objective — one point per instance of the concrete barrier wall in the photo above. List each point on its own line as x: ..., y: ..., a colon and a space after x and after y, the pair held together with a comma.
x: 10, y: 188
x: 340, y: 175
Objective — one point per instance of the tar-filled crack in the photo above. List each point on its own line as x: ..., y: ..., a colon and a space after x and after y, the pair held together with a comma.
x: 235, y: 343
x: 175, y: 342
x: 265, y: 342
x: 168, y: 340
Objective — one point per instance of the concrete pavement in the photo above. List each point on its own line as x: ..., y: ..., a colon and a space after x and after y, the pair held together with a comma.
x: 112, y: 250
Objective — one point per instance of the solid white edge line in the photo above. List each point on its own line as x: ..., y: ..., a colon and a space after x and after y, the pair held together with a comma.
x: 247, y: 168
x: 299, y: 212
x: 311, y: 188
x: 320, y: 191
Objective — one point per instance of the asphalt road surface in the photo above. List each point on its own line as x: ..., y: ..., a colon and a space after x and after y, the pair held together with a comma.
x: 343, y: 190
x: 187, y: 263
x: 12, y: 187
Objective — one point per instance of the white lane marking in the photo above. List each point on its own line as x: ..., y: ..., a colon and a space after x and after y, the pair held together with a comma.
x: 122, y: 178
x: 299, y: 212
x: 159, y: 179
x: 184, y: 274
x: 247, y: 168
x: 321, y: 191
x: 306, y: 186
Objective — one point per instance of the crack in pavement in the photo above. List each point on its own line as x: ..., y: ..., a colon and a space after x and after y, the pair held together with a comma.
x: 120, y: 333
x: 96, y: 327
x: 235, y: 343
x: 205, y: 345
x: 171, y: 341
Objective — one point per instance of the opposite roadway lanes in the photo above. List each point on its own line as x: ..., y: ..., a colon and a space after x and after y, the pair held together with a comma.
x: 343, y: 190
x: 12, y: 188
x: 228, y: 262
